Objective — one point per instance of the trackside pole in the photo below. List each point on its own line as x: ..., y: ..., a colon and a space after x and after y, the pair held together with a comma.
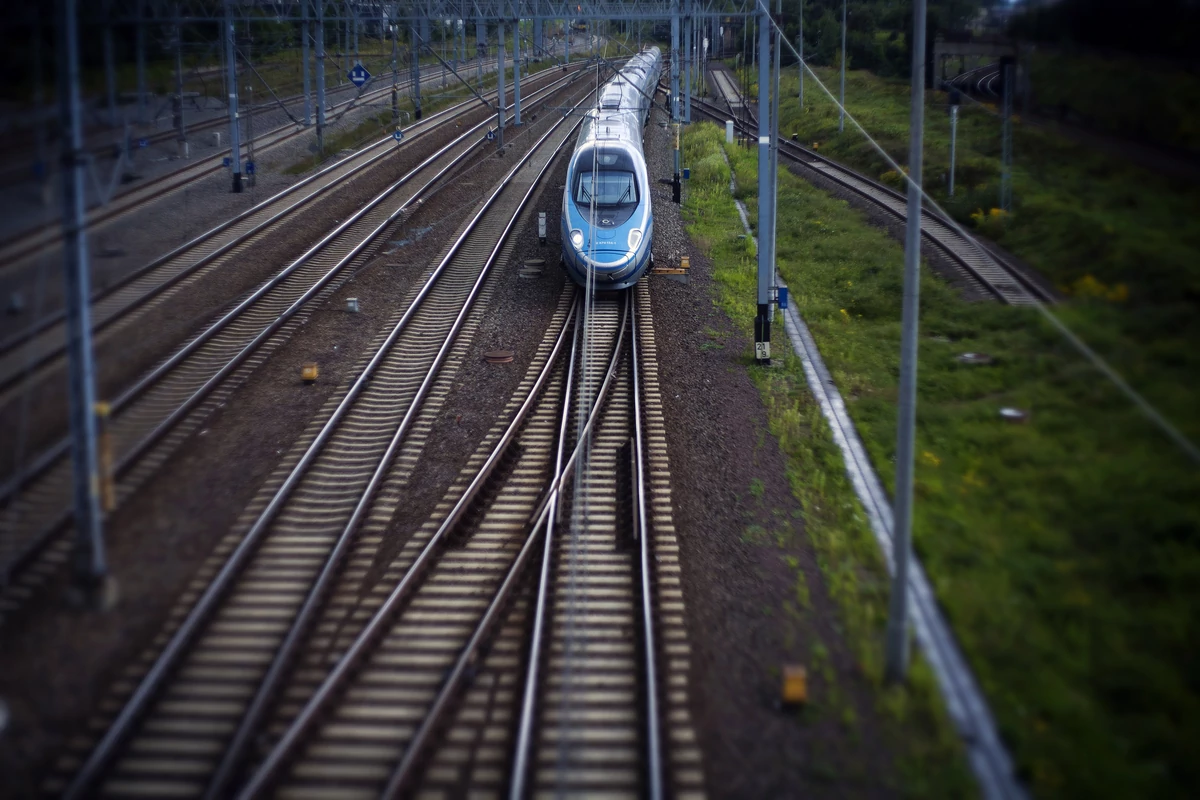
x: 896, y: 651
x: 235, y: 144
x: 675, y: 64
x: 762, y: 322
x: 500, y: 101
x: 414, y: 45
x: 517, y: 72
x: 687, y: 67
x: 320, y: 77
x: 90, y: 569
x: 304, y: 57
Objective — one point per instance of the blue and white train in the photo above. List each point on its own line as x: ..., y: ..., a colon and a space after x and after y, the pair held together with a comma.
x: 607, y: 224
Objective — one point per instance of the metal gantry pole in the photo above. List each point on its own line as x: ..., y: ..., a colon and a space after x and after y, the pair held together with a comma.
x: 774, y: 199
x: 304, y: 58
x: 953, y: 134
x: 235, y: 153
x: 180, y: 128
x: 762, y: 322
x: 1007, y: 76
x: 320, y: 77
x: 140, y: 32
x: 517, y: 72
x: 675, y: 64
x: 842, y: 91
x: 480, y: 48
x: 395, y: 77
x: 896, y: 652
x: 90, y: 568
x: 110, y: 68
x: 500, y: 101
x: 800, y: 51
x: 687, y: 65
x: 414, y: 42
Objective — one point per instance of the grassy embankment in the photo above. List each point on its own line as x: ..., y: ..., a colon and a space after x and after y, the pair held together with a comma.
x: 1063, y: 550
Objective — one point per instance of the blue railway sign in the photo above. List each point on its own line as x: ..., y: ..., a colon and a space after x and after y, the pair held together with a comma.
x: 398, y: 135
x: 249, y: 167
x: 226, y: 161
x: 491, y: 136
x: 358, y: 75
x: 143, y: 143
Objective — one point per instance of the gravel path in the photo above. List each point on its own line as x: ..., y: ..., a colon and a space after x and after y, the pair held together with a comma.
x: 745, y: 556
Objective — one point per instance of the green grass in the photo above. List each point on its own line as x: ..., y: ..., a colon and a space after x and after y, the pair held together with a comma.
x: 1119, y: 240
x: 1063, y: 550
x: 929, y: 763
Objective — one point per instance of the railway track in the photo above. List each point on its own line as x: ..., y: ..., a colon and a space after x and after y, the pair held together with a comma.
x: 150, y: 418
x: 989, y: 273
x: 19, y: 251
x: 29, y: 354
x: 228, y: 695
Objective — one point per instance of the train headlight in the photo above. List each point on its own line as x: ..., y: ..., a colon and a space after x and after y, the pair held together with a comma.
x: 635, y: 238
x: 577, y: 239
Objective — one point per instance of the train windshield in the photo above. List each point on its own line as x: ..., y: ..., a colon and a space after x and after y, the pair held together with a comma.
x: 606, y: 188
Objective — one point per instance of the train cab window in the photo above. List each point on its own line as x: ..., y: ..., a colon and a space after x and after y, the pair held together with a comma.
x: 606, y: 188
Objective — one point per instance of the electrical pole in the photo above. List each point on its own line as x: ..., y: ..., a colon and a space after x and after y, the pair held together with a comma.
x: 842, y: 93
x: 180, y: 130
x: 800, y: 49
x: 954, y: 103
x: 687, y: 64
x: 304, y: 58
x: 235, y: 153
x: 320, y: 78
x: 896, y: 653
x: 395, y: 79
x: 90, y: 568
x: 415, y: 41
x: 778, y: 39
x: 675, y: 65
x: 762, y: 322
x: 517, y: 72
x: 110, y: 69
x: 500, y: 100
x: 141, y: 63
x: 1007, y: 78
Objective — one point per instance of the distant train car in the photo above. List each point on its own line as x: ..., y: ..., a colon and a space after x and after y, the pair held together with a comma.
x: 607, y: 222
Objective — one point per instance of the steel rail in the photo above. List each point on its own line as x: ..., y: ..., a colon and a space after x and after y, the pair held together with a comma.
x: 427, y: 125
x: 275, y: 760
x: 44, y: 236
x: 653, y: 723
x: 370, y: 632
x: 187, y: 631
x: 520, y: 761
x: 54, y: 454
x: 405, y: 771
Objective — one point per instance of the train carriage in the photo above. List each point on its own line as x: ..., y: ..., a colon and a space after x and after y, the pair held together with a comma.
x: 607, y: 222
